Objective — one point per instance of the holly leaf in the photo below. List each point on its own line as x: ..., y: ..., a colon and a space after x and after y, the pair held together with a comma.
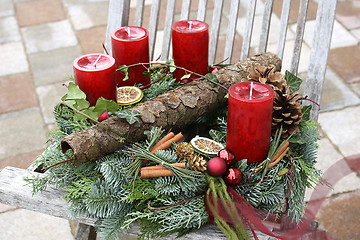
x: 213, y: 79
x: 293, y: 81
x: 306, y: 112
x: 131, y: 116
x: 125, y: 70
x: 103, y: 105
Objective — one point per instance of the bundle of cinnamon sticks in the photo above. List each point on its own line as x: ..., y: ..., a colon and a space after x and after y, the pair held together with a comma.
x: 163, y: 144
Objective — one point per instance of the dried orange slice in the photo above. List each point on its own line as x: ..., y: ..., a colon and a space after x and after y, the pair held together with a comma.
x: 206, y: 146
x: 127, y: 95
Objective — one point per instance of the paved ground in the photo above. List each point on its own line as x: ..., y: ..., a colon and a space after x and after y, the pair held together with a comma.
x: 39, y: 39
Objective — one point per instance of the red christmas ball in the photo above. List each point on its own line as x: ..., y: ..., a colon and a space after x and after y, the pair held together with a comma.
x: 216, y: 167
x: 233, y: 176
x: 228, y: 157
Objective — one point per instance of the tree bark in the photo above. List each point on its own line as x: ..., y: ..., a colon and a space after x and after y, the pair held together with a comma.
x: 178, y: 107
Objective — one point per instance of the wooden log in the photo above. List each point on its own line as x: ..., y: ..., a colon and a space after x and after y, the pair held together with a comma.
x: 175, y: 108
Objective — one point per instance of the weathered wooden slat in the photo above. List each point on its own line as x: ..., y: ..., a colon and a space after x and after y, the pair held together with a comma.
x: 201, y: 13
x: 319, y: 52
x: 230, y: 36
x: 139, y: 13
x: 169, y: 19
x: 115, y: 9
x: 299, y: 36
x: 153, y: 24
x: 215, y: 27
x: 245, y: 49
x: 265, y: 26
x: 185, y: 10
x: 15, y: 191
x: 285, y: 13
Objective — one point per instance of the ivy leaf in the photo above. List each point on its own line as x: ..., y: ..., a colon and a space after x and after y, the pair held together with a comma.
x: 306, y: 112
x: 103, y: 105
x: 125, y: 70
x: 131, y: 116
x: 74, y: 92
x: 293, y: 81
x: 81, y: 104
x: 186, y: 76
x: 213, y: 79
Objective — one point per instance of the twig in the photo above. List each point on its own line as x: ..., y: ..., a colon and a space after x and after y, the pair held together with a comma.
x: 169, y: 65
x: 68, y: 160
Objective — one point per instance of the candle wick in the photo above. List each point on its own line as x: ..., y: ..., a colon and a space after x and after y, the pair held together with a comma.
x: 97, y: 60
x: 251, y: 90
x: 128, y: 31
x: 190, y: 23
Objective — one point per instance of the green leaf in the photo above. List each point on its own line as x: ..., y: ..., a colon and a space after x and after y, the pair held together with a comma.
x: 81, y: 104
x: 297, y: 139
x: 74, y: 92
x: 172, y: 67
x: 306, y: 112
x: 213, y: 79
x: 103, y: 105
x: 293, y: 81
x: 125, y: 70
x: 186, y: 76
x: 131, y: 116
x: 217, y: 135
x: 282, y: 171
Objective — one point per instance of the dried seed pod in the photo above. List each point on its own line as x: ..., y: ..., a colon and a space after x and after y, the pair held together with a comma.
x: 197, y: 163
x: 184, y: 150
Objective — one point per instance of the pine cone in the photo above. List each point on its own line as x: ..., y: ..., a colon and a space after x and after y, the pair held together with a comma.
x: 266, y: 75
x: 286, y: 112
x: 184, y: 150
x: 197, y: 163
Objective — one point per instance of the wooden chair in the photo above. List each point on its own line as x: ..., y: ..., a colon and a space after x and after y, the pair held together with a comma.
x: 13, y: 190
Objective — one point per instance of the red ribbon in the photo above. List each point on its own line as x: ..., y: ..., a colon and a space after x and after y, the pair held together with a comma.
x: 245, y: 214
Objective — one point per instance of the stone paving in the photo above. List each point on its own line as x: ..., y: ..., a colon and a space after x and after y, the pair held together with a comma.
x: 39, y: 39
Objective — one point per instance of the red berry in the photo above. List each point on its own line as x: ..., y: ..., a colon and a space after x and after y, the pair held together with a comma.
x: 216, y: 167
x: 215, y: 69
x: 233, y: 176
x: 104, y: 116
x: 228, y: 157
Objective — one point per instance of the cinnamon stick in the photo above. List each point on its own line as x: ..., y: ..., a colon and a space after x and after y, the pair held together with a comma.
x: 158, y: 171
x: 168, y: 143
x: 280, y: 150
x: 164, y: 139
x: 272, y: 164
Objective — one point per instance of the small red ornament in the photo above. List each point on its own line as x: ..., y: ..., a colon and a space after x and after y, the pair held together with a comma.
x: 233, y: 176
x: 216, y: 167
x: 227, y: 156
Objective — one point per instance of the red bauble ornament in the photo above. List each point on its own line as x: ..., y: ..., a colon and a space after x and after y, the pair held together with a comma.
x: 228, y: 157
x: 216, y: 167
x: 233, y: 176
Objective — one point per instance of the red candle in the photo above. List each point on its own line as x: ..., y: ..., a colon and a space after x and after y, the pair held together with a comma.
x: 190, y: 44
x: 130, y: 45
x: 249, y: 120
x: 95, y: 75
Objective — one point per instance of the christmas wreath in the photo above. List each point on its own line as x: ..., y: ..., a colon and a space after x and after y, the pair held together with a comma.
x: 169, y: 183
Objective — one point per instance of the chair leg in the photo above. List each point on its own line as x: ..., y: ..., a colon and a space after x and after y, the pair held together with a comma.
x: 85, y: 232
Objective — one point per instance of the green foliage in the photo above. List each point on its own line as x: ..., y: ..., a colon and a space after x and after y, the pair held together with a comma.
x: 293, y: 81
x: 131, y: 116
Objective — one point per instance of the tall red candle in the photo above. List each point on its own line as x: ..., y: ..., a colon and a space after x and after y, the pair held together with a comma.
x: 95, y: 75
x: 249, y: 120
x: 190, y: 45
x: 130, y: 45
